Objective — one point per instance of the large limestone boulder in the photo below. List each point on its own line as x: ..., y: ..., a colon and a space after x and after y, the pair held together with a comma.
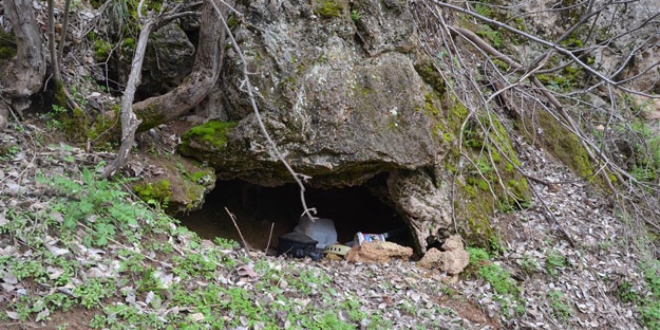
x: 341, y: 98
x: 337, y: 113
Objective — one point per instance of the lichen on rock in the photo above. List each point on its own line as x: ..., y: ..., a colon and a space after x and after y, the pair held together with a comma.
x: 344, y: 100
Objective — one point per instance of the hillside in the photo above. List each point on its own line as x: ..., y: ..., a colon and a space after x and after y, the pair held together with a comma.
x: 524, y: 131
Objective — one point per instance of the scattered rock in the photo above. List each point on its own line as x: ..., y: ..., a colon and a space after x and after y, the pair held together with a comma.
x: 452, y: 260
x: 432, y: 259
x: 378, y: 252
x: 352, y: 254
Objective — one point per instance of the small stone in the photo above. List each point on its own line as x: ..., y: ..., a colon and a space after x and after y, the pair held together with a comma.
x: 452, y: 261
x: 353, y: 255
x: 431, y: 260
x: 378, y: 251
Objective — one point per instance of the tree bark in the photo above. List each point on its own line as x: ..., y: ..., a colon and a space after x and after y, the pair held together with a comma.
x: 51, y: 44
x: 24, y: 75
x: 206, y: 70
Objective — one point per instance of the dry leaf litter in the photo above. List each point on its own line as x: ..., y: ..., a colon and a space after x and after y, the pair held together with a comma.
x: 408, y: 296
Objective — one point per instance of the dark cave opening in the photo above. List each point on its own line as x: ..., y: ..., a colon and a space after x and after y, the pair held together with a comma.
x: 353, y: 209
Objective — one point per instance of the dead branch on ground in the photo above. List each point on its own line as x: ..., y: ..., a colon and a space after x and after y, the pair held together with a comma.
x: 238, y: 229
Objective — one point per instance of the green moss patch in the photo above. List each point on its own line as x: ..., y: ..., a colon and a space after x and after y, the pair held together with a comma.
x: 329, y: 8
x: 489, y: 181
x: 212, y: 134
x: 76, y: 125
x: 426, y: 69
x: 561, y: 142
x: 160, y: 191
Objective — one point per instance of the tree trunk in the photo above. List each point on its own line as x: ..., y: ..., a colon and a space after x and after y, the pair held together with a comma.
x: 24, y: 75
x: 206, y: 70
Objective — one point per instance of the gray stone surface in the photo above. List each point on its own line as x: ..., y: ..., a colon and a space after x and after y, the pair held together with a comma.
x: 340, y: 97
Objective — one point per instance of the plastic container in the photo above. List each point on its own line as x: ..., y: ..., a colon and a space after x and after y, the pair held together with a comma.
x: 361, y: 237
x: 321, y: 230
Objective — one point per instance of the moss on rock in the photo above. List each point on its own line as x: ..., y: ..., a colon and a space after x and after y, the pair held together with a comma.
x: 426, y: 69
x: 212, y: 134
x: 561, y: 142
x: 329, y: 8
x: 159, y: 191
x: 76, y: 125
x: 487, y: 183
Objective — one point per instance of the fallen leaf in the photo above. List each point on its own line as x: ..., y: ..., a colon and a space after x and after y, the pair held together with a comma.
x: 10, y: 278
x: 197, y: 317
x: 247, y: 271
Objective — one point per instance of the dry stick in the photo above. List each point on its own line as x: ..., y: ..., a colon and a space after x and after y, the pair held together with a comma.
x: 248, y: 87
x: 129, y: 121
x: 51, y: 43
x: 572, y: 126
x: 233, y: 219
x: 272, y: 226
x: 65, y: 27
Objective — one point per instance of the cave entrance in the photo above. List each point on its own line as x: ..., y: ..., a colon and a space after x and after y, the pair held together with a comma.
x: 352, y: 209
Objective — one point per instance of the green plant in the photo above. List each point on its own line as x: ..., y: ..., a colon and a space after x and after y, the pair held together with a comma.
x: 483, y: 10
x: 627, y: 293
x: 477, y: 256
x: 495, y: 244
x: 196, y: 264
x: 491, y: 35
x: 92, y: 292
x: 650, y: 312
x: 529, y: 264
x: 224, y: 243
x: 378, y: 322
x: 559, y: 304
x: 499, y: 279
x: 555, y: 261
x: 355, y: 15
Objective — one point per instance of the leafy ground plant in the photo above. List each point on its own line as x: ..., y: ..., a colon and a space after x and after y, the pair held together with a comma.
x: 90, y: 248
x: 560, y: 305
x: 500, y: 280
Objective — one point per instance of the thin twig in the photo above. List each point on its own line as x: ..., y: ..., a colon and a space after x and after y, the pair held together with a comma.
x: 270, y: 236
x: 233, y: 219
x: 310, y: 212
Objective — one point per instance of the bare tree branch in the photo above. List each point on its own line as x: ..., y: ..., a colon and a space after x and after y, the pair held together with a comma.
x: 310, y: 212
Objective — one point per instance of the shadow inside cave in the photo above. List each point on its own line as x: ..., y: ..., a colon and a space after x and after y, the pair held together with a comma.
x: 353, y: 209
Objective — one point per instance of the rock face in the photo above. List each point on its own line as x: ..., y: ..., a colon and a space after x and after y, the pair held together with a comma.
x: 378, y: 251
x: 339, y: 94
x: 168, y: 60
x: 452, y: 260
x: 629, y: 31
